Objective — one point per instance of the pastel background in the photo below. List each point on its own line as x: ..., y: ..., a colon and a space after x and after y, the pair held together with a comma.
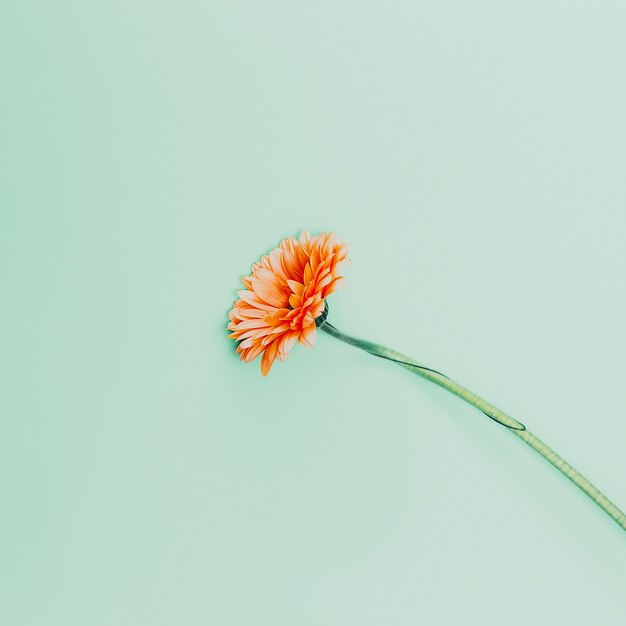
x: 473, y: 153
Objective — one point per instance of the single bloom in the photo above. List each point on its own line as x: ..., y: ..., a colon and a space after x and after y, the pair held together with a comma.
x: 284, y: 295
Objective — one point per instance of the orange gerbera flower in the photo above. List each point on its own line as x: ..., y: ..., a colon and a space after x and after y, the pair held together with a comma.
x: 284, y: 296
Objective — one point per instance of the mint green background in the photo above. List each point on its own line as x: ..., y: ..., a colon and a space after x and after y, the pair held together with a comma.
x: 474, y: 155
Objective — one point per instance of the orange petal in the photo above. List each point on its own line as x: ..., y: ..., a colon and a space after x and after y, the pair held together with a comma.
x: 253, y: 300
x: 295, y: 286
x: 338, y: 283
x: 309, y: 336
x: 267, y: 292
x: 268, y: 357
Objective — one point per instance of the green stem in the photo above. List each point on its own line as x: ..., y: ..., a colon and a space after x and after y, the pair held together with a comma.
x: 518, y: 429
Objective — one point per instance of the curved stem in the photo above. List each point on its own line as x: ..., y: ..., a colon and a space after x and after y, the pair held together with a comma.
x: 517, y: 428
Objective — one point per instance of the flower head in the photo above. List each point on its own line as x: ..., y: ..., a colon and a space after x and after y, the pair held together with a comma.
x: 284, y: 295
